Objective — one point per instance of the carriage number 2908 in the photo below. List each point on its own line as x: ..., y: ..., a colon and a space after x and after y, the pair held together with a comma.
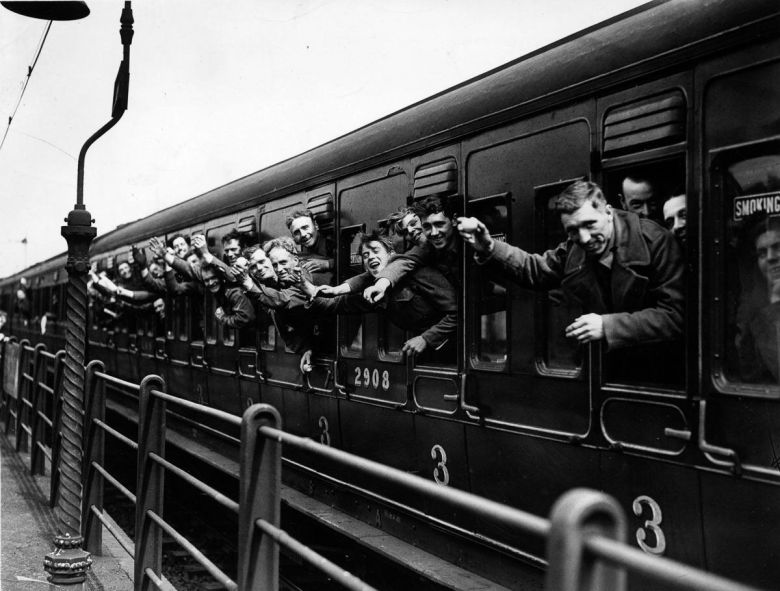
x: 372, y: 379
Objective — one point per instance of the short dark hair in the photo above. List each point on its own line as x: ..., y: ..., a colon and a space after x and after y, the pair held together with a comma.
x: 175, y: 236
x: 249, y: 251
x: 299, y: 213
x: 374, y: 237
x: 575, y: 196
x: 233, y: 235
x: 435, y: 204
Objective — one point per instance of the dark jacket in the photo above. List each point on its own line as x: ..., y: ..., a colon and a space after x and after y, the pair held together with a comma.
x: 423, y: 302
x: 446, y: 262
x: 238, y: 310
x: 647, y: 289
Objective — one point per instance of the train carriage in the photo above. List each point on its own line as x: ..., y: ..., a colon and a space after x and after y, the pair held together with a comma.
x: 686, y: 92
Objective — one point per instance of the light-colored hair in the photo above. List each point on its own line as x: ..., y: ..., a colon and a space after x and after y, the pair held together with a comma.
x: 284, y: 242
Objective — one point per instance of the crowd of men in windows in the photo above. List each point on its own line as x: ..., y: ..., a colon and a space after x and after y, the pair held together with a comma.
x: 621, y: 266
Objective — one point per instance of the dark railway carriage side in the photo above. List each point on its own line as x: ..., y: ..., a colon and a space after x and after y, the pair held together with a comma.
x: 522, y: 415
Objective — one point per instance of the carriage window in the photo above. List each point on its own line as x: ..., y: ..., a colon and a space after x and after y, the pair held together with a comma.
x: 490, y: 297
x: 554, y: 312
x: 272, y: 223
x: 351, y: 334
x: 360, y: 209
x: 751, y: 191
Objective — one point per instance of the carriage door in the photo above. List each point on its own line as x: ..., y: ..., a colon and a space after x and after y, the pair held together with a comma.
x: 646, y: 414
x: 523, y: 376
x: 372, y: 369
x: 221, y: 351
x: 739, y: 430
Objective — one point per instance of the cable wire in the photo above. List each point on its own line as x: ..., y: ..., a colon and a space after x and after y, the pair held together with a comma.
x: 30, y: 69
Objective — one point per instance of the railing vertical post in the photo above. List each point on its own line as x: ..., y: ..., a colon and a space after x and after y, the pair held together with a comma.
x: 259, y: 498
x: 21, y: 435
x: 56, y: 427
x: 577, y: 514
x: 150, y: 481
x: 94, y: 453
x: 37, y: 430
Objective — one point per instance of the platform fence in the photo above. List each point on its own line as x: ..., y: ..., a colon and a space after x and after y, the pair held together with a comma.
x: 585, y: 534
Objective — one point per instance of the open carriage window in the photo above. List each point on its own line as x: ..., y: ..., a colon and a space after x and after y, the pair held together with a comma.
x: 555, y: 353
x: 490, y: 295
x: 351, y: 334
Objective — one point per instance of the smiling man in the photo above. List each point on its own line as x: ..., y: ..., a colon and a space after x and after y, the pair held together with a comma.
x: 440, y: 250
x: 423, y: 302
x: 625, y: 271
x: 316, y: 250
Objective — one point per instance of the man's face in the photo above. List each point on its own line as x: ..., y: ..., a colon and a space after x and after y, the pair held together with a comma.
x: 260, y: 267
x: 768, y: 256
x: 193, y: 259
x: 304, y: 231
x: 284, y: 264
x: 439, y: 230
x: 180, y: 247
x: 124, y: 271
x: 211, y: 280
x: 410, y: 227
x: 638, y: 198
x: 156, y: 270
x: 675, y: 215
x: 590, y: 227
x: 230, y: 251
x: 375, y: 257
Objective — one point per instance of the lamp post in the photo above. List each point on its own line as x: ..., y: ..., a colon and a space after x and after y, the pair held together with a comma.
x: 68, y: 564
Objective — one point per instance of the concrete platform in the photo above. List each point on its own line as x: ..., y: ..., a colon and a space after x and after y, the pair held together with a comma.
x: 28, y: 526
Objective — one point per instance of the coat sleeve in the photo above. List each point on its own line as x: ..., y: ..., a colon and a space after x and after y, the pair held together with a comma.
x: 662, y: 320
x: 405, y: 263
x: 536, y: 271
x: 443, y: 298
x: 241, y: 311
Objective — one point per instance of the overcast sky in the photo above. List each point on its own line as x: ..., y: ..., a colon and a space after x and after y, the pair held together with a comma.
x: 220, y: 89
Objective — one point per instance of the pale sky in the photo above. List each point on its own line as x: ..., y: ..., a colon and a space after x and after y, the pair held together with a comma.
x: 220, y: 89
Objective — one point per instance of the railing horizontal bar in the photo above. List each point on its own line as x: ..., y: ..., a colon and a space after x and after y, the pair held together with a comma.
x: 159, y: 582
x: 29, y: 349
x: 47, y: 355
x: 205, y: 428
x: 27, y: 429
x: 659, y: 568
x: 200, y: 485
x: 425, y: 515
x: 46, y: 388
x: 28, y: 377
x: 42, y: 415
x: 111, y: 431
x: 206, y: 410
x: 319, y: 562
x: 213, y: 569
x: 112, y: 530
x: 491, y: 510
x: 118, y: 485
x: 117, y: 381
x: 27, y: 403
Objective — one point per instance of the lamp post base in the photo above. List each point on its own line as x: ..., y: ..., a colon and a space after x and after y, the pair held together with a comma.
x: 68, y: 564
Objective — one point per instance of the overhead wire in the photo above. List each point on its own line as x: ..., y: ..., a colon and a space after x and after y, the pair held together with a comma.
x: 30, y: 70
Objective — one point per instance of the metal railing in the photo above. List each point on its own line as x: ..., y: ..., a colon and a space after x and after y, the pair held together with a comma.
x: 31, y: 403
x: 585, y: 534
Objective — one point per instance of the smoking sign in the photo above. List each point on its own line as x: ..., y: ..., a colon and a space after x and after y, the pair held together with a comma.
x: 747, y: 205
